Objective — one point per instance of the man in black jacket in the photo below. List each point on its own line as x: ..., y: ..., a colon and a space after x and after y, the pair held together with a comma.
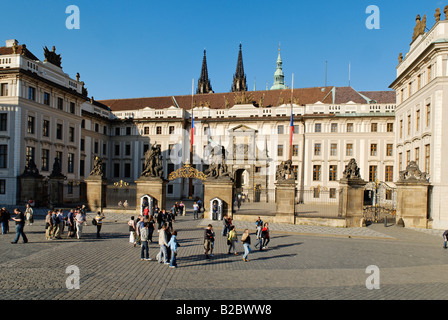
x: 20, y: 224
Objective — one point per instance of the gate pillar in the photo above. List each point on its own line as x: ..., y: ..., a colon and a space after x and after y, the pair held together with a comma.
x: 352, y: 193
x: 221, y: 188
x: 154, y: 187
x: 96, y: 192
x: 412, y: 197
x: 285, y: 194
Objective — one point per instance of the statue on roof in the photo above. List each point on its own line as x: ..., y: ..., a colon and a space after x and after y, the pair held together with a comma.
x: 420, y: 26
x: 437, y: 15
x: 52, y: 56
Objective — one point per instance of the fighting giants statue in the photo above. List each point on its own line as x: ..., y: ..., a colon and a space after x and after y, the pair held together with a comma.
x: 153, y: 163
x: 218, y: 168
x: 97, y: 167
x: 284, y: 170
x: 351, y: 170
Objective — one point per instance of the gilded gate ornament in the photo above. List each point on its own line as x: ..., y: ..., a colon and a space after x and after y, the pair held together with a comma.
x: 187, y: 171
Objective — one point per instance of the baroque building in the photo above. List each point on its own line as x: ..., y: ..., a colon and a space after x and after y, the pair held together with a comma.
x: 421, y: 88
x: 46, y: 114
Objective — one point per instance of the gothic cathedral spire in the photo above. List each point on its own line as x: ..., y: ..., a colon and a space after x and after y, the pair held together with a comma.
x: 239, y: 78
x: 279, y: 78
x: 204, y: 85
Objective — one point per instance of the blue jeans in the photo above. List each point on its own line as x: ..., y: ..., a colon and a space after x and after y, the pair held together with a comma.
x: 19, y: 232
x: 173, y: 262
x: 225, y: 230
x: 163, y: 251
x: 144, y: 254
x: 195, y: 214
x: 246, y: 250
x: 4, y: 227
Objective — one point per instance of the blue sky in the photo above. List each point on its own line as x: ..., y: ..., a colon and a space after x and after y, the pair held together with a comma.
x: 155, y: 48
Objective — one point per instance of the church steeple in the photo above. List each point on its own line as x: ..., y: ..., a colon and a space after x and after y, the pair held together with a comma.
x: 239, y: 78
x: 204, y: 85
x: 279, y: 78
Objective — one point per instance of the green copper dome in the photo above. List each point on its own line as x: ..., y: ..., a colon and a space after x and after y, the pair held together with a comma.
x: 279, y: 78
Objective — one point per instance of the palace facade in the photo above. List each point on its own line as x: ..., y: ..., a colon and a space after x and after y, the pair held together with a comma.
x: 46, y: 114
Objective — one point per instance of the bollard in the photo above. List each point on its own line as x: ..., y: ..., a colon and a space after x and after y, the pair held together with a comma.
x: 385, y: 221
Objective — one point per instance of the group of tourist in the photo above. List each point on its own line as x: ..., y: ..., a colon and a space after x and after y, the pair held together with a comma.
x: 141, y: 231
x: 229, y: 231
x: 56, y: 222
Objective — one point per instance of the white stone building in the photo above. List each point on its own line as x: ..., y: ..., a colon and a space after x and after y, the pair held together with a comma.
x: 421, y: 89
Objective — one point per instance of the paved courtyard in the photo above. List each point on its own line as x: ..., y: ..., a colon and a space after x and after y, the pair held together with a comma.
x: 301, y: 263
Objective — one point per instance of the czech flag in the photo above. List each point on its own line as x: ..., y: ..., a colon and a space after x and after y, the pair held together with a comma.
x: 192, y: 129
x: 292, y: 129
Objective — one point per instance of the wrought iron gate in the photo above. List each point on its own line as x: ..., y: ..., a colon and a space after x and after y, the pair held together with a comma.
x: 380, y: 201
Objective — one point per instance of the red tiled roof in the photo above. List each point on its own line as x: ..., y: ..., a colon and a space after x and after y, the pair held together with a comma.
x: 8, y: 50
x: 381, y: 96
x: 266, y: 98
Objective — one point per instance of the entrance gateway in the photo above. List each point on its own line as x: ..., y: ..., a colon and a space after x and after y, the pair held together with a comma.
x: 217, y: 207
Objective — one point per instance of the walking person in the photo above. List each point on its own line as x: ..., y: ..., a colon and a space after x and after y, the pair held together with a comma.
x: 80, y: 220
x: 208, y: 240
x: 71, y: 224
x: 173, y: 244
x: 55, y: 224
x: 225, y: 226
x: 132, y: 227
x: 195, y: 210
x: 245, y: 239
x: 259, y: 224
x: 5, y: 220
x: 144, y: 234
x: 29, y: 215
x: 265, y: 236
x: 232, y: 240
x: 445, y: 239
x: 150, y: 228
x: 163, y: 243
x: 48, y: 225
x: 99, y: 223
x: 61, y: 220
x: 20, y: 224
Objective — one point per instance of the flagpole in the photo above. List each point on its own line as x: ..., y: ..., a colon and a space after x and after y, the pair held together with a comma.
x: 292, y: 122
x: 190, y: 180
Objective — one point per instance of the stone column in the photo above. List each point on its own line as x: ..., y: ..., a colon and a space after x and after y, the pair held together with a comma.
x: 285, y: 193
x: 31, y: 187
x: 56, y: 190
x: 352, y: 202
x: 221, y: 188
x: 96, y: 192
x: 412, y: 197
x: 154, y: 187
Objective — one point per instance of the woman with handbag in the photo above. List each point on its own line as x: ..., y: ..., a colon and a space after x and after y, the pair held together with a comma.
x: 232, y: 240
x: 132, y: 237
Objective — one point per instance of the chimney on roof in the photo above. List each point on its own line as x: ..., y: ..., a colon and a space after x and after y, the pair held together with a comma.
x: 10, y: 43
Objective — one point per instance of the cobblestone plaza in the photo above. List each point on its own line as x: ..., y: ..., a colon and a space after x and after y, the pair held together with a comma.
x: 301, y: 263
